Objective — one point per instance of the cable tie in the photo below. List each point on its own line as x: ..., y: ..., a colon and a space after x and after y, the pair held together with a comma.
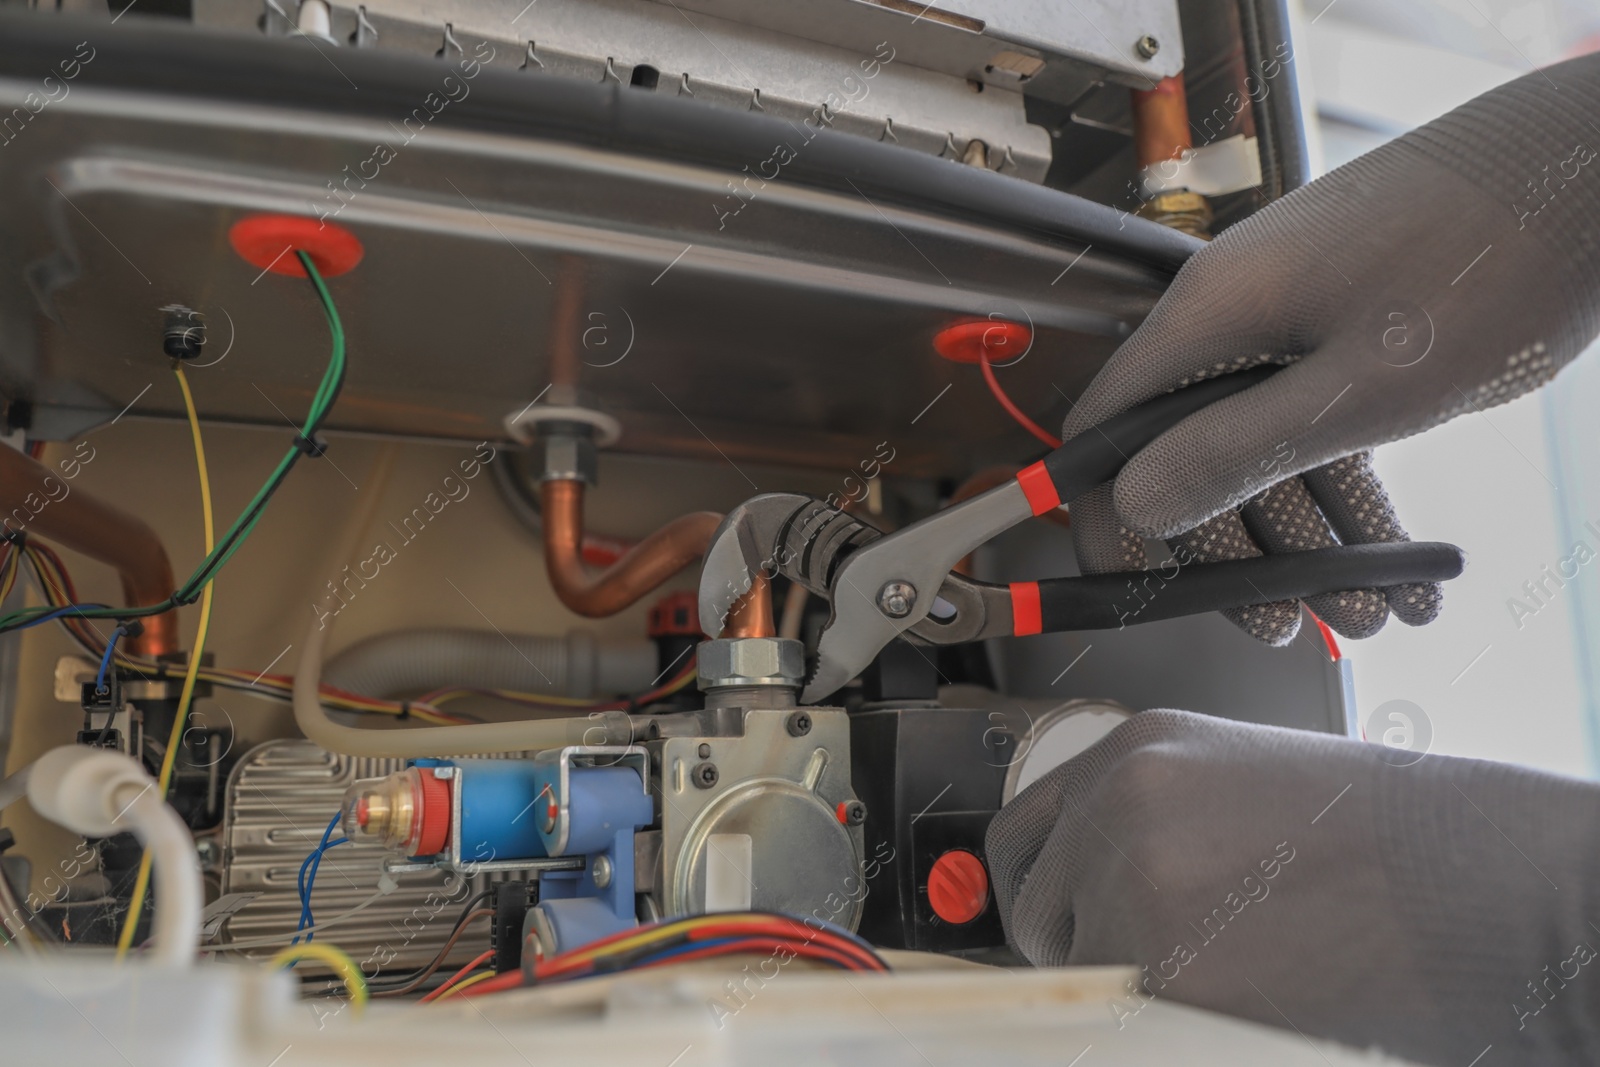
x: 17, y: 537
x: 311, y: 446
x: 405, y: 711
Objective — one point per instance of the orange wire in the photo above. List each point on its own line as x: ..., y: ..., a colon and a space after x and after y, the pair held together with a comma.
x: 1012, y: 409
x: 454, y: 978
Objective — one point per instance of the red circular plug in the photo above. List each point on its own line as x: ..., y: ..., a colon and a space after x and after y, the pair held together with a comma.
x: 433, y: 814
x: 966, y: 342
x: 269, y: 242
x: 958, y: 887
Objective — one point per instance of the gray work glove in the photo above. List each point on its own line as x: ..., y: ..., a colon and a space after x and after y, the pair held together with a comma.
x: 1445, y: 272
x: 1316, y: 883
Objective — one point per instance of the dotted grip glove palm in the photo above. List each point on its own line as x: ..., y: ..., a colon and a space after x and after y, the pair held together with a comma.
x: 1445, y: 272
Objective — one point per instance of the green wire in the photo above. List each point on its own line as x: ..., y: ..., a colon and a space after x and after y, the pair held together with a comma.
x: 321, y: 404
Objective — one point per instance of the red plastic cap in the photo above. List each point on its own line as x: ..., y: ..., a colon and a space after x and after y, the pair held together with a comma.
x: 966, y: 342
x: 958, y: 887
x: 269, y: 243
x: 433, y: 814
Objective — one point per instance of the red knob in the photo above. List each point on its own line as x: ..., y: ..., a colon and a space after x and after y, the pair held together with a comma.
x: 958, y: 887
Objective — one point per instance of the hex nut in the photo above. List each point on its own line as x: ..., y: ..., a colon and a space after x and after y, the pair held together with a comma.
x: 569, y: 453
x: 704, y: 775
x: 741, y: 661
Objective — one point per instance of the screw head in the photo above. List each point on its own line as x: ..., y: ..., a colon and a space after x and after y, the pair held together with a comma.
x: 209, y: 854
x: 897, y: 598
x: 184, y: 333
x: 704, y: 775
x: 601, y: 871
x: 798, y: 724
x: 855, y: 813
x: 1148, y: 46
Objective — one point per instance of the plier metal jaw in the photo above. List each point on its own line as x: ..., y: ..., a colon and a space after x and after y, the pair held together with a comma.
x: 882, y: 586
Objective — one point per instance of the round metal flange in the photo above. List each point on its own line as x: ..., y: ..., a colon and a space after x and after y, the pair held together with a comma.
x: 524, y: 425
x: 800, y: 853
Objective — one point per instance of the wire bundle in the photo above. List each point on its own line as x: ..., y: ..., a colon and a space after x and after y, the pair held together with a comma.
x: 700, y: 937
x: 541, y: 700
x: 305, y: 443
x: 58, y: 590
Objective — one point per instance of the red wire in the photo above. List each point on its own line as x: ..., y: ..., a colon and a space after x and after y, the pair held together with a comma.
x: 1012, y: 409
x: 462, y: 973
x: 789, y: 931
x: 1327, y: 637
x: 832, y: 948
x: 757, y: 944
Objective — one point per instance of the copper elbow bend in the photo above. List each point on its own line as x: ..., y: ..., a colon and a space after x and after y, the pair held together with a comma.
x: 645, y: 567
x: 37, y: 501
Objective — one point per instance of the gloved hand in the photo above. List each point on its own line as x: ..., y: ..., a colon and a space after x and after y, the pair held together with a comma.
x: 1316, y: 883
x: 1445, y: 272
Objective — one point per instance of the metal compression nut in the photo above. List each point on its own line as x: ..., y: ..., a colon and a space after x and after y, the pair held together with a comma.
x: 746, y: 661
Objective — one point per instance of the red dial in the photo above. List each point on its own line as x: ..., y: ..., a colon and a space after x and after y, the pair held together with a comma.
x: 958, y: 887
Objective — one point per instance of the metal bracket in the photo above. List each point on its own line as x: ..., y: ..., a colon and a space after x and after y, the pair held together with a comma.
x: 563, y: 760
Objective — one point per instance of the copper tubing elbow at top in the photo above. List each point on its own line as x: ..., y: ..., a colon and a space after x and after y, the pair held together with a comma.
x: 643, y: 568
x: 77, y: 520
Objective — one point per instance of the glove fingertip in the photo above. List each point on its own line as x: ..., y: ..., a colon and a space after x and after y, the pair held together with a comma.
x: 1356, y: 613
x: 1275, y: 624
x: 1416, y: 605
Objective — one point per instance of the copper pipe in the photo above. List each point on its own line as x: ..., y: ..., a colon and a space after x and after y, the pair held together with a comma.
x: 38, y: 501
x: 1161, y: 137
x: 1161, y: 122
x: 751, y: 614
x: 643, y: 568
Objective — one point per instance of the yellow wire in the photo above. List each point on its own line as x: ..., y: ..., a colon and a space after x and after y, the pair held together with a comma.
x: 459, y: 986
x: 655, y: 933
x: 340, y: 962
x: 186, y: 697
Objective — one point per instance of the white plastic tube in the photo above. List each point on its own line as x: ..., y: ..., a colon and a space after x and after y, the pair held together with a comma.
x: 15, y: 788
x: 528, y: 735
x: 403, y: 662
x: 96, y: 792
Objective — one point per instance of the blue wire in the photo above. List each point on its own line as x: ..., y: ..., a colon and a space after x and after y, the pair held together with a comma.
x: 50, y: 616
x: 105, y: 661
x: 692, y: 946
x: 307, y: 880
